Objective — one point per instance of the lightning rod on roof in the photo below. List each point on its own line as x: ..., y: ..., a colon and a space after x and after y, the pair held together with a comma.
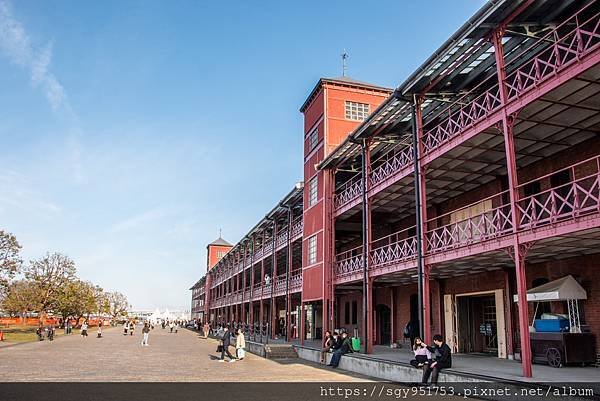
x: 344, y: 58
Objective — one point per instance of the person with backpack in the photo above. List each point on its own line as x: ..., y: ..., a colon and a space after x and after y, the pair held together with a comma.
x: 345, y: 348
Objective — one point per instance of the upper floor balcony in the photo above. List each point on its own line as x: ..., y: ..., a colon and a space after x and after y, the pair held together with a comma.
x: 534, y: 68
x: 487, y: 224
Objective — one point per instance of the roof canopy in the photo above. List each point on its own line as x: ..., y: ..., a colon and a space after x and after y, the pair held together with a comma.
x: 562, y: 289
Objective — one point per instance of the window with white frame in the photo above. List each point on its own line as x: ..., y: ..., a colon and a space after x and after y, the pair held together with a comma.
x: 313, y: 191
x: 313, y: 139
x: 356, y: 111
x: 312, y: 250
x: 220, y: 254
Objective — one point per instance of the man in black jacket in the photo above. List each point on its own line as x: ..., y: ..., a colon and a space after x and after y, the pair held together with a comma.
x: 344, y: 348
x: 442, y: 359
x: 226, y: 341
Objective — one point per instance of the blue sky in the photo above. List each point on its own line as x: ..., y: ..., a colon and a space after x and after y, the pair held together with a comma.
x: 131, y: 131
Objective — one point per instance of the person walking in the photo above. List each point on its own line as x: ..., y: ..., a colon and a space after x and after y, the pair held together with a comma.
x: 125, y: 327
x: 171, y: 326
x: 99, y: 331
x: 226, y: 342
x: 327, y: 343
x: 240, y: 344
x: 442, y: 359
x: 206, y: 330
x: 84, y: 329
x: 146, y: 334
x: 344, y: 349
x: 131, y: 328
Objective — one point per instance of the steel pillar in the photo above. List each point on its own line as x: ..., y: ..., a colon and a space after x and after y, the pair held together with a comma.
x: 366, y: 242
x: 508, y: 319
x: 328, y: 249
x: 424, y: 298
x: 273, y: 307
x: 511, y: 164
x: 288, y: 296
x: 302, y: 322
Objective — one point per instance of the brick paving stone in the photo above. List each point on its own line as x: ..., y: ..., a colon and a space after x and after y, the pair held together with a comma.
x: 169, y: 357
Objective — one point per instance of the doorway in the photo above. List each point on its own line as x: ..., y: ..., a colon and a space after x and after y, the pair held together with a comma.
x: 384, y: 324
x: 475, y: 323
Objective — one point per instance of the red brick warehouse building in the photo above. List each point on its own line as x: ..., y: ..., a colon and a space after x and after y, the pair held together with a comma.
x: 476, y: 179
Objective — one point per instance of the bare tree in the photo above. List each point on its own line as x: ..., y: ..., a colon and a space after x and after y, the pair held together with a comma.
x: 118, y: 304
x: 50, y: 275
x: 10, y: 262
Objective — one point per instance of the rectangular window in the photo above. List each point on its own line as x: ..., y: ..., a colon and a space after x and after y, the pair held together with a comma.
x: 313, y: 191
x: 356, y: 111
x: 354, y: 312
x: 220, y: 254
x: 312, y: 250
x: 347, y: 313
x: 313, y: 139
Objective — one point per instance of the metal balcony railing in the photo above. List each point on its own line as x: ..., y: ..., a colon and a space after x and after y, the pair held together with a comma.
x: 348, y: 262
x: 393, y: 248
x: 580, y: 196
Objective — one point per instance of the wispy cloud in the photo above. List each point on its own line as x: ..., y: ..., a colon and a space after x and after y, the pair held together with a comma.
x: 16, y: 192
x: 17, y: 45
x: 137, y: 220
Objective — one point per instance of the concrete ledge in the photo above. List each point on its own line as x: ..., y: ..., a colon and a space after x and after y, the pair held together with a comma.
x: 256, y: 348
x: 386, y: 370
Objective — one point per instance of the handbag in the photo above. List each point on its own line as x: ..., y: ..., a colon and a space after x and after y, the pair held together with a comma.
x: 241, y: 353
x: 220, y: 348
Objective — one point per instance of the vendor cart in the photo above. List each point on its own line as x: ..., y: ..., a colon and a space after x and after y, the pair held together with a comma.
x: 560, y: 341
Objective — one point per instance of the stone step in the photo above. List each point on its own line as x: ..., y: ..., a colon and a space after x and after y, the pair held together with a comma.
x: 280, y: 352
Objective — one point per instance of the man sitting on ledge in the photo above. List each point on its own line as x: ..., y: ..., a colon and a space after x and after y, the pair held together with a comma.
x: 345, y: 348
x: 442, y: 359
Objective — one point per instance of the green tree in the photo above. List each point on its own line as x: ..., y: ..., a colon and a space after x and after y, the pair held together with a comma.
x: 74, y: 299
x: 50, y: 275
x: 21, y: 298
x: 10, y: 262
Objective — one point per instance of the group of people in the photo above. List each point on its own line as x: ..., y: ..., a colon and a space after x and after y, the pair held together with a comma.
x: 225, y: 343
x: 128, y: 327
x: 338, y: 344
x: 45, y: 332
x: 430, y: 358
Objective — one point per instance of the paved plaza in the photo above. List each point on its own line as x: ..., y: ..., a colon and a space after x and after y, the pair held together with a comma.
x: 169, y: 357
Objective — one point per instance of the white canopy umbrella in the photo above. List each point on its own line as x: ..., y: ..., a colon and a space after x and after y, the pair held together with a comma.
x: 564, y: 289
